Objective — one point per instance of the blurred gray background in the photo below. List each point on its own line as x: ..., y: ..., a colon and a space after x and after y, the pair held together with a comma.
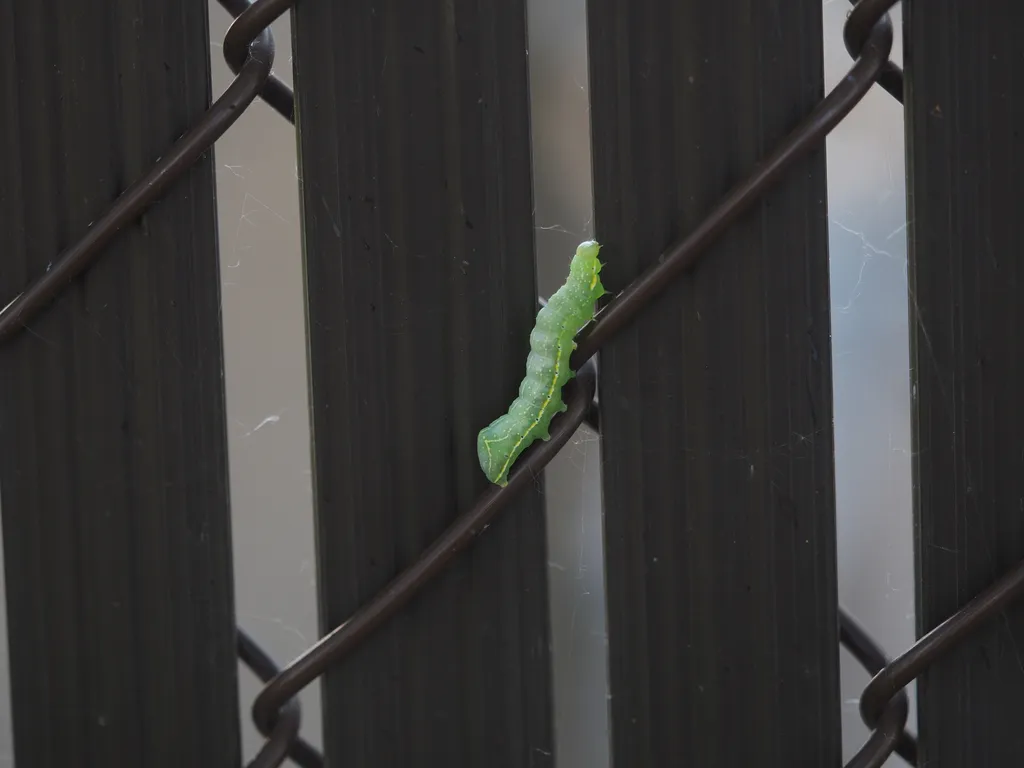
x: 266, y: 381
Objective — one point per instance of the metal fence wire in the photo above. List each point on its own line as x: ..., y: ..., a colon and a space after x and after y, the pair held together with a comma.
x: 249, y: 51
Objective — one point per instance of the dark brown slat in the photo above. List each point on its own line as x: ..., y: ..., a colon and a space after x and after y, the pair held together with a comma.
x: 415, y: 166
x: 716, y: 405
x: 113, y: 451
x: 964, y: 67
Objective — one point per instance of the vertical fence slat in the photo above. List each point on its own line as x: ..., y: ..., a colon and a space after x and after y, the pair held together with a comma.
x: 966, y: 160
x: 416, y: 191
x: 716, y: 406
x: 113, y: 453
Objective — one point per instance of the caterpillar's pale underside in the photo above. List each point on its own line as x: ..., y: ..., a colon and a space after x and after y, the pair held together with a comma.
x: 547, y: 367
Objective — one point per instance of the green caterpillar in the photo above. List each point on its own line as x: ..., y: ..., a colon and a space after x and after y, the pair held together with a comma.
x: 547, y: 368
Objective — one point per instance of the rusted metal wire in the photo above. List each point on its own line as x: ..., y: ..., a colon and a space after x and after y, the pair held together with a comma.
x: 249, y: 51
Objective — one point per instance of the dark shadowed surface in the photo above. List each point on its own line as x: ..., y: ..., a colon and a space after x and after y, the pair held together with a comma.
x: 414, y: 161
x: 717, y: 402
x: 113, y: 462
x: 966, y: 161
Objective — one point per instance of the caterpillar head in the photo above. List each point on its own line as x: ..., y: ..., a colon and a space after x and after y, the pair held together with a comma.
x: 585, y: 264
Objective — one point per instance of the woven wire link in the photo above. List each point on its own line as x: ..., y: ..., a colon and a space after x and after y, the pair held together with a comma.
x: 249, y: 51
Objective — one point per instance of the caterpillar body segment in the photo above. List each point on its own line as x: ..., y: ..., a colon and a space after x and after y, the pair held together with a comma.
x: 552, y: 343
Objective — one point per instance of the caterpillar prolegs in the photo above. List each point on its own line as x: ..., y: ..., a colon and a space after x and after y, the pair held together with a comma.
x: 547, y: 367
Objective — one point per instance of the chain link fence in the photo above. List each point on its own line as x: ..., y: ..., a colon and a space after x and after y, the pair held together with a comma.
x: 249, y: 50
